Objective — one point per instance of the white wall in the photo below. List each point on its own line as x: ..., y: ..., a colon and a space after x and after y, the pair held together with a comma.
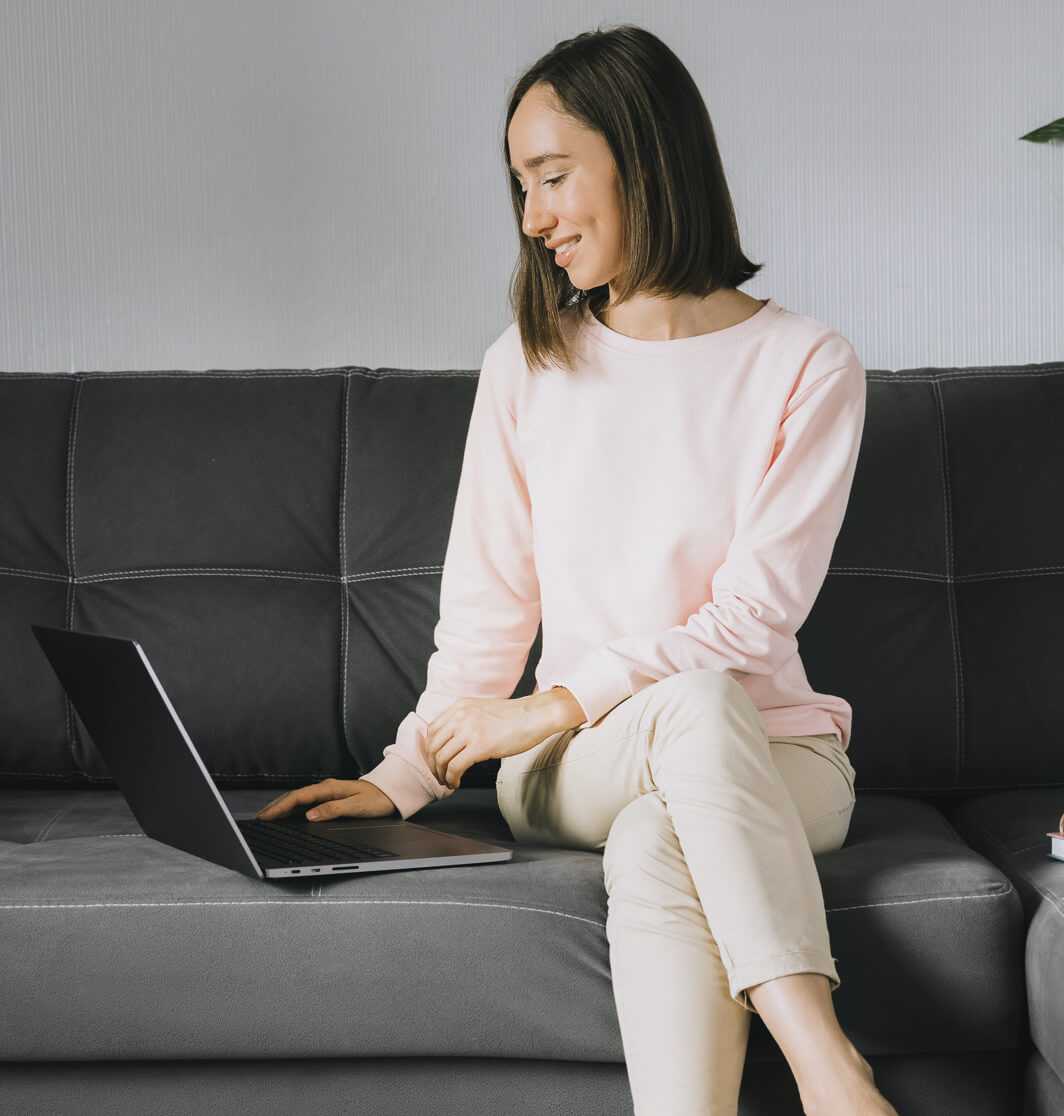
x: 269, y: 184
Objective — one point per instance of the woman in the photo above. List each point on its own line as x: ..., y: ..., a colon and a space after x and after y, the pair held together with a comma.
x: 645, y: 436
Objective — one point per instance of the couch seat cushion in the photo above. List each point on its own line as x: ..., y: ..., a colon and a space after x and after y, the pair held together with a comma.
x: 121, y: 947
x: 1009, y: 828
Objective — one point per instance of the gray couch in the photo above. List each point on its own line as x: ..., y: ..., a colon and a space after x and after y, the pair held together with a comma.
x: 274, y: 540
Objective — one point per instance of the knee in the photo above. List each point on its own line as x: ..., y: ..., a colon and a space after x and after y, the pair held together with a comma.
x: 707, y: 691
x: 703, y: 700
x: 635, y: 837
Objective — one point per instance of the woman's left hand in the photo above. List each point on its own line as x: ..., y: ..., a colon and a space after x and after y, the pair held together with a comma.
x: 476, y: 729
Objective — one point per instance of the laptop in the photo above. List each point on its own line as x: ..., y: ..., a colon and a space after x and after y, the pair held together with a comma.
x: 133, y: 723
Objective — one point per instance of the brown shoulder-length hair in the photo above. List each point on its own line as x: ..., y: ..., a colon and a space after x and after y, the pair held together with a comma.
x: 679, y: 234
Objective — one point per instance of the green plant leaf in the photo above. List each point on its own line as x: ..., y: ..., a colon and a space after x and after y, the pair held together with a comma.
x: 1048, y: 132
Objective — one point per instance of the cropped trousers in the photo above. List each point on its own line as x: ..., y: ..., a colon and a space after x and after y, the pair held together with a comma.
x: 708, y: 829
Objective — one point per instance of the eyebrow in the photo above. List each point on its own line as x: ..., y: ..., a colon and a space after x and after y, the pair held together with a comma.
x: 539, y: 160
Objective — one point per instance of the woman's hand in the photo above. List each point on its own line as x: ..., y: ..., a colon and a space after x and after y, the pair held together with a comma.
x: 477, y: 729
x: 332, y: 798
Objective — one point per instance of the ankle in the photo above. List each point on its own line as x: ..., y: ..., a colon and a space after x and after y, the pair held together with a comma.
x: 840, y: 1073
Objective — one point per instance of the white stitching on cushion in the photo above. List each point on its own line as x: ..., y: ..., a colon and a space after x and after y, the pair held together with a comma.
x: 343, y: 568
x: 437, y: 903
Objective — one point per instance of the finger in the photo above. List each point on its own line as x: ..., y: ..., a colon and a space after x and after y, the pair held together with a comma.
x: 434, y: 743
x: 451, y: 748
x: 270, y: 803
x: 337, y: 808
x: 290, y: 800
x: 447, y: 761
x: 277, y: 806
x: 439, y: 731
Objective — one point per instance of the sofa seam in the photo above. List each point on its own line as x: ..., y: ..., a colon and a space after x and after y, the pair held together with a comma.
x: 951, y: 592
x: 43, y: 832
x: 976, y: 372
x: 246, y: 571
x: 322, y: 901
x: 1055, y: 900
x: 343, y: 568
x: 71, y: 587
x: 383, y: 373
x: 841, y: 571
x: 432, y: 902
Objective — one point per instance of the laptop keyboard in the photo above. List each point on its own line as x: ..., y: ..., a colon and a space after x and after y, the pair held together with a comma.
x: 272, y: 842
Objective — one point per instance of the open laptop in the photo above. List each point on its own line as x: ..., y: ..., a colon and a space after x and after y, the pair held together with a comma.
x: 149, y: 754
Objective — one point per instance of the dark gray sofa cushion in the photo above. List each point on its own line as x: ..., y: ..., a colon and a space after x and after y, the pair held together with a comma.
x: 275, y: 538
x: 1009, y: 828
x: 128, y: 948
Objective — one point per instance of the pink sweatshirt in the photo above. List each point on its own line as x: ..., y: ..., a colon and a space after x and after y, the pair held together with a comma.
x: 670, y: 505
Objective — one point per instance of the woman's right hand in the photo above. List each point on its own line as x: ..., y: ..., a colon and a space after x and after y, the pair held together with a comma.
x: 339, y: 798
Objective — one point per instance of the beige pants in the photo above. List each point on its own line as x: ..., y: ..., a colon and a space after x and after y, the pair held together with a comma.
x: 708, y: 830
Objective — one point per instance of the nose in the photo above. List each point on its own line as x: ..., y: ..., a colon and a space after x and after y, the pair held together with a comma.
x: 533, y: 225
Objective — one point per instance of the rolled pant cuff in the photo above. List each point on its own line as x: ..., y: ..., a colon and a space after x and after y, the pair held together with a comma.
x: 742, y: 977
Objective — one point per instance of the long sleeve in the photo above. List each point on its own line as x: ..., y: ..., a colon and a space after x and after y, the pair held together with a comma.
x: 775, y: 563
x: 489, y: 590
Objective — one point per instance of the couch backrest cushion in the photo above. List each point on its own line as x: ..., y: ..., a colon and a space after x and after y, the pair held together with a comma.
x: 274, y: 539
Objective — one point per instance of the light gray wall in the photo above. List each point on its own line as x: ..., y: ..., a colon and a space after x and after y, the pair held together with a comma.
x: 268, y: 184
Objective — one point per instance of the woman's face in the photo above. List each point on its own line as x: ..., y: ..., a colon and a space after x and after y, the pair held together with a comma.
x: 574, y: 196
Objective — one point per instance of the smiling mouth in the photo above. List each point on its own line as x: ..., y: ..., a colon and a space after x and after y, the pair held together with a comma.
x: 564, y: 252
